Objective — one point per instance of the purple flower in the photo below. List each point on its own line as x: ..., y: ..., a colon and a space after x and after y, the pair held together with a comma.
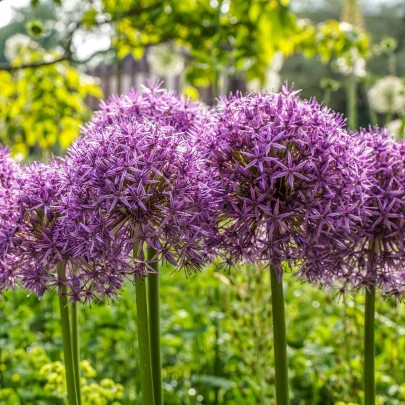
x: 9, y: 170
x: 155, y: 104
x: 293, y: 177
x: 138, y: 167
x: 151, y: 187
x: 136, y: 177
x: 35, y: 237
x: 381, y: 250
x: 372, y: 254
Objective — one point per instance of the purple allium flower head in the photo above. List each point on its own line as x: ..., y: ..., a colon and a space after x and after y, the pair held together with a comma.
x: 291, y: 172
x: 137, y: 166
x: 378, y: 258
x: 19, y: 227
x: 9, y: 170
x: 35, y: 237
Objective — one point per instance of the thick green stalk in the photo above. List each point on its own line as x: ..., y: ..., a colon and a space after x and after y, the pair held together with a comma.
x: 154, y: 329
x: 280, y: 339
x: 351, y: 90
x: 76, y: 351
x: 145, y: 366
x: 369, y: 353
x: 67, y: 343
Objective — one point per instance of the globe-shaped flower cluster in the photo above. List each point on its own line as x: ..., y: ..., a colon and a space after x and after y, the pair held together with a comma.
x: 382, y: 251
x: 9, y: 171
x: 149, y: 185
x: 378, y: 258
x: 293, y: 176
x: 136, y: 178
x: 35, y: 237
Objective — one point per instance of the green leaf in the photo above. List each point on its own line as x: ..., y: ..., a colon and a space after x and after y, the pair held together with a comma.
x: 89, y: 18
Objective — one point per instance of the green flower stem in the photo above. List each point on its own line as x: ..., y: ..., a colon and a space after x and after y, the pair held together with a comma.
x: 145, y: 366
x: 327, y: 96
x: 76, y: 351
x: 388, y: 117
x: 67, y: 343
x: 371, y: 112
x: 351, y: 90
x: 154, y: 328
x: 280, y: 340
x: 369, y: 353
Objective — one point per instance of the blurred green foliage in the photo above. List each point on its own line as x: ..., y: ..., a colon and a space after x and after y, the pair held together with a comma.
x: 226, y: 37
x: 41, y: 109
x: 218, y: 36
x: 217, y: 345
x: 331, y: 39
x: 381, y: 21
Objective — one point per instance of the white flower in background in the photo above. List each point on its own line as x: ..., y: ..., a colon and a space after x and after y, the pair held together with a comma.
x: 396, y: 129
x: 353, y: 63
x: 17, y: 44
x: 359, y: 68
x: 345, y: 26
x: 165, y: 60
x: 387, y: 95
x: 343, y: 67
x: 19, y: 157
x: 272, y: 80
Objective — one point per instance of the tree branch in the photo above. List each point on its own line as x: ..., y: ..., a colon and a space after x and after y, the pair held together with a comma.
x: 68, y: 55
x: 10, y: 68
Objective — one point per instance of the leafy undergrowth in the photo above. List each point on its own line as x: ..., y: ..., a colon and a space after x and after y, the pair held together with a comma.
x: 217, y: 345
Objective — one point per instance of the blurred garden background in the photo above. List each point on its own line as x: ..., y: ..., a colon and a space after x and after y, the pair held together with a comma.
x: 58, y: 59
